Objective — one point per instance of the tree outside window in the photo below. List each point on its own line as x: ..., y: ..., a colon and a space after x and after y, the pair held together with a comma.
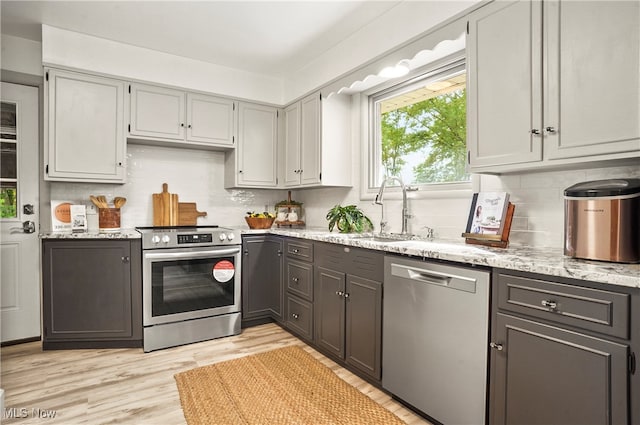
x: 422, y: 132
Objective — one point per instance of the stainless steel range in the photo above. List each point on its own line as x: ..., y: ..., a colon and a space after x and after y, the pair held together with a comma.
x: 191, y: 284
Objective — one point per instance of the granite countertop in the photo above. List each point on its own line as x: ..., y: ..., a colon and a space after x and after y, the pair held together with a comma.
x: 547, y: 261
x: 122, y: 234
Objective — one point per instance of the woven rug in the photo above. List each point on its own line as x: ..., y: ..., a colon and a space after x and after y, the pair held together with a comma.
x: 283, y: 386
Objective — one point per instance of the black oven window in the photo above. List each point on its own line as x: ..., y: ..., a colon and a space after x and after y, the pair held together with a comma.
x: 190, y: 285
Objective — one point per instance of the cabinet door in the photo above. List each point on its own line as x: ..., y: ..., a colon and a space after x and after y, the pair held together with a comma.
x: 157, y: 112
x: 292, y: 145
x: 87, y: 290
x: 210, y: 120
x: 84, y: 133
x: 310, y: 140
x: 364, y: 325
x: 329, y: 287
x: 504, y: 84
x: 257, y: 146
x: 262, y: 263
x: 545, y: 375
x: 592, y: 84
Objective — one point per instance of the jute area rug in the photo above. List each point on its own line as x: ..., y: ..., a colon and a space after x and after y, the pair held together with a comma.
x: 283, y: 386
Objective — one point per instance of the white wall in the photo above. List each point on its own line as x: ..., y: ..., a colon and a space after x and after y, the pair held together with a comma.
x: 79, y: 51
x: 196, y: 176
x: 21, y: 55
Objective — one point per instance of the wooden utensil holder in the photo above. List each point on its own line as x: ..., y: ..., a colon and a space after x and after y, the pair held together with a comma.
x: 108, y: 220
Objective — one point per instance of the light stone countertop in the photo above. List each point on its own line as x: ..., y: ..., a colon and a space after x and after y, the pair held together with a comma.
x: 122, y: 234
x: 546, y: 261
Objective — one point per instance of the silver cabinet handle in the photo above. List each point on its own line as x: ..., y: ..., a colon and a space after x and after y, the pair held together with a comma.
x: 295, y: 250
x: 295, y: 280
x: 125, y: 259
x: 339, y: 293
x: 549, y: 304
x: 295, y: 316
x: 535, y: 131
x: 498, y: 347
x: 550, y: 129
x: 346, y: 295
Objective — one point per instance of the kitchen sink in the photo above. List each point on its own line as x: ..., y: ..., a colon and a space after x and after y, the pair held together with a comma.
x: 384, y: 237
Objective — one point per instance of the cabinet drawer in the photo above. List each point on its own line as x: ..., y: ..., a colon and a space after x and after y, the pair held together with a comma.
x: 299, y: 249
x: 356, y: 261
x: 596, y: 310
x: 300, y: 316
x: 300, y: 279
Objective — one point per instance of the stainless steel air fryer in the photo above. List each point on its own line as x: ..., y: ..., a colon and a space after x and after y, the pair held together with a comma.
x: 602, y: 220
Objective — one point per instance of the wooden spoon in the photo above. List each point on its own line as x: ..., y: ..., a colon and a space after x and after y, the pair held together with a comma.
x: 96, y: 201
x: 103, y: 201
x: 119, y: 201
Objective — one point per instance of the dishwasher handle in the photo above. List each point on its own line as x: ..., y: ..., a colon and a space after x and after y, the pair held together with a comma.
x: 432, y: 277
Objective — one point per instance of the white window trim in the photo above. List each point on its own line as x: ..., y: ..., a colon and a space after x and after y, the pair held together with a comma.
x: 368, y: 190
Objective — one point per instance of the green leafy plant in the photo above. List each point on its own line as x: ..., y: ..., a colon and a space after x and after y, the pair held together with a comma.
x: 349, y: 219
x: 287, y: 202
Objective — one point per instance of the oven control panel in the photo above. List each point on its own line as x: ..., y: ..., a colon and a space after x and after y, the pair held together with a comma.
x: 195, y: 238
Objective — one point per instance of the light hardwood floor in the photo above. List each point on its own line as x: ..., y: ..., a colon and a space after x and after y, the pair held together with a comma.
x: 127, y: 386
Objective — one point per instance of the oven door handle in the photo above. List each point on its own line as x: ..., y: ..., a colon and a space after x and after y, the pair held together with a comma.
x: 192, y: 254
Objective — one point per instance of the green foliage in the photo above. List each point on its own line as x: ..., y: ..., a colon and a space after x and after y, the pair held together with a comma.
x: 349, y: 219
x: 8, y: 203
x: 436, y: 126
x: 287, y: 202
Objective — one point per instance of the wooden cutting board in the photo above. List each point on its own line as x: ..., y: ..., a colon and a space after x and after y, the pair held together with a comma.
x: 165, y: 207
x: 188, y: 214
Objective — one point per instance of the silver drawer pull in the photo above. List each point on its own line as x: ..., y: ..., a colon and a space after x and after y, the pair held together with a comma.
x: 498, y: 347
x: 295, y: 316
x: 295, y: 280
x: 295, y: 250
x: 549, y: 304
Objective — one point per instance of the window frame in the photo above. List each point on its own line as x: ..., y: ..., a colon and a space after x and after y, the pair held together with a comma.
x: 371, y: 151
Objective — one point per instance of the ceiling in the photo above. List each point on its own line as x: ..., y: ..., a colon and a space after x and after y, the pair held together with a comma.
x: 266, y: 37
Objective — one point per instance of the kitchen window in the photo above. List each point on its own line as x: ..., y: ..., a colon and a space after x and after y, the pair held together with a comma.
x: 418, y: 130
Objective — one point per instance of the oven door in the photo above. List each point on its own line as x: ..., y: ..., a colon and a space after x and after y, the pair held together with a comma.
x: 189, y: 283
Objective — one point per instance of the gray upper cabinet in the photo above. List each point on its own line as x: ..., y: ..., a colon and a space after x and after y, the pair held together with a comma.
x: 254, y: 162
x: 317, y: 142
x: 173, y: 116
x: 552, y: 84
x: 84, y: 128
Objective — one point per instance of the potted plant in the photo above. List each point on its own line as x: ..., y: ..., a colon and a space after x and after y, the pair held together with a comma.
x: 349, y: 219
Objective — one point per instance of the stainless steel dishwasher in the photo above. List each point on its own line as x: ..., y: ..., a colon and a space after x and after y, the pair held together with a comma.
x: 435, y: 336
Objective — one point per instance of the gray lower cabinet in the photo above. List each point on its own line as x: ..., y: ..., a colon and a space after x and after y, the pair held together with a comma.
x: 262, y: 265
x: 92, y: 293
x: 562, y: 353
x: 299, y: 287
x: 348, y: 305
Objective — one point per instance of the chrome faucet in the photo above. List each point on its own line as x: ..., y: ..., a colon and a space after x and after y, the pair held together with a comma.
x: 405, y: 214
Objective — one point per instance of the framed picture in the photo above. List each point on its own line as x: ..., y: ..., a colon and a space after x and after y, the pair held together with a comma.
x: 487, y: 213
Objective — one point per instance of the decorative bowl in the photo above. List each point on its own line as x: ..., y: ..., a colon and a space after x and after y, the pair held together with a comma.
x: 259, y: 222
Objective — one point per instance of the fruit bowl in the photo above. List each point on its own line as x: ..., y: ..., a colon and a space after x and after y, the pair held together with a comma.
x: 259, y: 222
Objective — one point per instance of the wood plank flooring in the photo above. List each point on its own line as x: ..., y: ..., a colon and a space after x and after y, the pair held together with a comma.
x: 127, y: 386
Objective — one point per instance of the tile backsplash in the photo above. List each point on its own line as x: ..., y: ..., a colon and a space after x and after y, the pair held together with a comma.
x: 538, y: 197
x: 195, y: 175
x: 198, y: 176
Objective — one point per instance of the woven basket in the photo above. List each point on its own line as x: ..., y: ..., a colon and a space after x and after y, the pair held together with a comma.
x: 259, y: 222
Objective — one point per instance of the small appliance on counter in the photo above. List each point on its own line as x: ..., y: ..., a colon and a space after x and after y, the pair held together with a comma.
x: 601, y: 220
